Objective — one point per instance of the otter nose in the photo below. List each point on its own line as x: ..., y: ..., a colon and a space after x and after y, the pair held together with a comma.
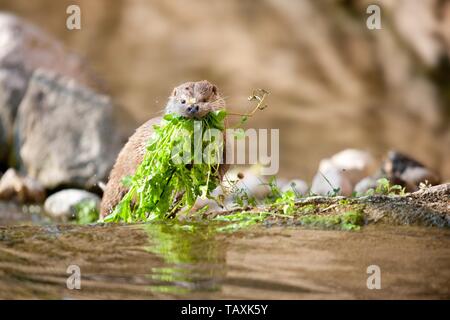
x: 193, y: 109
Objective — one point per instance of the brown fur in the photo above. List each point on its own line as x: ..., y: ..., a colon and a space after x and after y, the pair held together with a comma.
x: 134, y: 150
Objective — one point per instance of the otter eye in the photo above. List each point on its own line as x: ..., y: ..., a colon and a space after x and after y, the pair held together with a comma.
x: 183, y: 101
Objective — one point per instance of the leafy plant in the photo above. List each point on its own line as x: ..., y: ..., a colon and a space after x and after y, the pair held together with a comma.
x: 242, y: 199
x: 287, y: 201
x: 160, y: 186
x: 384, y: 187
x: 86, y: 212
x: 171, y: 176
x: 275, y: 192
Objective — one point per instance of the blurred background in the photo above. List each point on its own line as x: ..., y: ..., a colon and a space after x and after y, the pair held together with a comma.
x: 334, y: 83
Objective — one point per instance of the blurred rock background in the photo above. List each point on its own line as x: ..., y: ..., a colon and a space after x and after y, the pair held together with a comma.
x: 334, y: 83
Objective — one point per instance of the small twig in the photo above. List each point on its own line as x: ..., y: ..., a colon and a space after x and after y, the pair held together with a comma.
x: 328, y: 208
x: 259, y: 95
x: 282, y: 215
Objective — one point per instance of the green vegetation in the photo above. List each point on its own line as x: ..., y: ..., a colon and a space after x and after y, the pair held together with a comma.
x: 175, y: 171
x: 278, y: 206
x: 86, y: 212
x: 240, y: 220
x: 283, y: 207
x: 349, y: 220
x: 171, y: 176
x: 384, y: 187
x: 284, y: 210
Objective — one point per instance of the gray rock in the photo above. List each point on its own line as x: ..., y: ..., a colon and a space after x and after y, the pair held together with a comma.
x: 330, y: 179
x: 366, y: 184
x: 343, y: 171
x: 21, y: 189
x: 64, y: 133
x: 25, y: 46
x: 355, y: 164
x: 401, y: 169
x: 23, y: 49
x: 13, y: 83
x: 61, y: 205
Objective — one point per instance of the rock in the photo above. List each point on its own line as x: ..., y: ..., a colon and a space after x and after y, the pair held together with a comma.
x: 400, y: 169
x: 21, y: 189
x: 343, y: 171
x: 427, y: 206
x: 365, y: 184
x: 355, y: 164
x: 300, y: 186
x: 61, y: 205
x: 330, y: 180
x: 25, y: 47
x: 64, y: 133
x: 13, y: 83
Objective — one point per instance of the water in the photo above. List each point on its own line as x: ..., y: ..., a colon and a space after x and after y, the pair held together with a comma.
x: 154, y: 261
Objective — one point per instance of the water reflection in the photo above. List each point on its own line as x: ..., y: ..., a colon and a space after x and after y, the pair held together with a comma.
x: 194, y: 257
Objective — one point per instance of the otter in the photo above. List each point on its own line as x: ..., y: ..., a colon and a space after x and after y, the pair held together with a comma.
x: 192, y: 100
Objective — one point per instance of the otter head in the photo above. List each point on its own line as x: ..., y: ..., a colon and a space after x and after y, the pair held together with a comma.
x: 195, y: 99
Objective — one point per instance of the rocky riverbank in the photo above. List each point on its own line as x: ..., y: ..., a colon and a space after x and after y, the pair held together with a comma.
x: 426, y: 207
